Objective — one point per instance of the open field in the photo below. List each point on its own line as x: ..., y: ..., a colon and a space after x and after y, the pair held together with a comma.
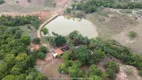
x: 136, y: 44
x: 116, y: 24
x: 110, y: 23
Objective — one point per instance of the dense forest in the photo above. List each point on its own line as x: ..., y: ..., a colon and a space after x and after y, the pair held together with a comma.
x: 19, y: 20
x: 89, y: 6
x: 90, y: 52
x: 16, y: 60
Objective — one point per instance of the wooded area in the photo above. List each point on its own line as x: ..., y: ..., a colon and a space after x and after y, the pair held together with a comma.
x: 19, y: 20
x: 90, y: 52
x: 90, y: 6
x: 17, y: 60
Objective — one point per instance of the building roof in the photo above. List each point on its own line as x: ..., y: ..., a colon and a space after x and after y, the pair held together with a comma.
x: 58, y: 51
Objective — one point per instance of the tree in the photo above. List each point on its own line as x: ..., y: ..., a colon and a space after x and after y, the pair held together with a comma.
x: 68, y: 10
x: 18, y: 34
x: 113, y: 65
x: 97, y: 56
x: 73, y: 34
x: 83, y: 54
x: 45, y: 31
x: 94, y: 77
x: 43, y: 49
x: 36, y: 41
x: 10, y: 77
x: 59, y: 40
x: 9, y: 59
x: 92, y: 44
x: 75, y: 72
x: 25, y: 40
x: 111, y: 69
x: 41, y: 55
x: 34, y: 75
x: 21, y: 57
x: 73, y: 6
x: 95, y: 71
x: 63, y: 69
x: 3, y: 70
x: 40, y: 77
x: 68, y: 55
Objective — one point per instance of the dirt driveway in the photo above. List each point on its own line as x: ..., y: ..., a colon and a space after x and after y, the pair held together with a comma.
x: 49, y: 67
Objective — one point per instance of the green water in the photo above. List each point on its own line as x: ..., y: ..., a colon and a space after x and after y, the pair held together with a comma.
x: 64, y: 26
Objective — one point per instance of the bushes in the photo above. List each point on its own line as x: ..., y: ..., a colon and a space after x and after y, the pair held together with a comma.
x: 95, y: 71
x: 63, y: 69
x: 19, y: 20
x: 42, y: 52
x: 43, y: 49
x: 45, y: 31
x: 41, y: 55
x: 90, y: 6
x: 59, y: 40
x: 111, y: 69
x: 36, y: 41
x: 132, y: 34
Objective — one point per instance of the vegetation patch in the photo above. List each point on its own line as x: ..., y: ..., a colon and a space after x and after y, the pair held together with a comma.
x: 132, y: 34
x: 2, y: 1
x: 19, y: 20
x: 93, y: 52
x: 90, y: 6
x: 17, y: 60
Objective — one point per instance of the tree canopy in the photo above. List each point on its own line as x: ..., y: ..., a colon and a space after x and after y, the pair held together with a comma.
x: 17, y: 62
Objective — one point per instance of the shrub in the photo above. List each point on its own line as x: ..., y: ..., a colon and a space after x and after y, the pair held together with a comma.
x: 59, y: 40
x: 45, y: 31
x: 43, y: 49
x: 132, y: 34
x: 63, y: 69
x: 41, y: 55
x: 140, y: 72
x: 36, y: 41
x: 111, y: 69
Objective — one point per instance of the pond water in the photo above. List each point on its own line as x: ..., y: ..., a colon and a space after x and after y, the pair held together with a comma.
x: 63, y: 26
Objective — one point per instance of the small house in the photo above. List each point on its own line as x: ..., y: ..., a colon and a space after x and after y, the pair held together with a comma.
x: 60, y: 51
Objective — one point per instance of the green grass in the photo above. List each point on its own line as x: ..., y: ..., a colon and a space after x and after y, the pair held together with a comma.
x: 28, y: 32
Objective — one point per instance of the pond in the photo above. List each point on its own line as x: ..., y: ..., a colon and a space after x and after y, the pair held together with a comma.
x: 63, y: 26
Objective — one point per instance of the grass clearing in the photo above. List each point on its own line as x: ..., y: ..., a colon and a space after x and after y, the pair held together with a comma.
x: 135, y: 44
x: 111, y: 24
x: 28, y: 32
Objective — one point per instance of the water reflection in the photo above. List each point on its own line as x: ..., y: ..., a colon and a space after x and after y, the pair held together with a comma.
x: 63, y: 25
